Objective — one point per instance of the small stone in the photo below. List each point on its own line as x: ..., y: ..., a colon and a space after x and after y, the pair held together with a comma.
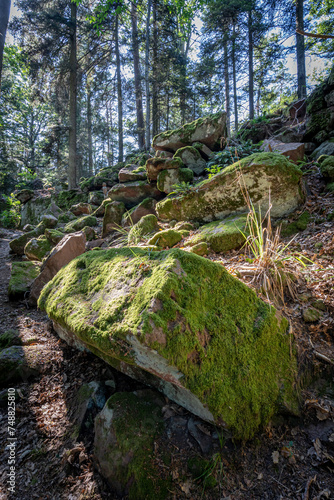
x: 167, y: 238
x: 199, y: 249
x: 81, y: 209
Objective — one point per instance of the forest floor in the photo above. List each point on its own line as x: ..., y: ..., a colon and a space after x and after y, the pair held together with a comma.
x: 292, y: 458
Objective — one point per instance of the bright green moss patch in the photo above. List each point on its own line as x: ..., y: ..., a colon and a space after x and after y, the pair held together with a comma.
x: 54, y: 235
x: 145, y: 226
x: 231, y: 350
x: 21, y: 278
x: 167, y: 238
x: 37, y: 248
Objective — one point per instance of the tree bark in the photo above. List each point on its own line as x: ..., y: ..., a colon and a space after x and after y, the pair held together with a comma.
x: 89, y: 129
x: 300, y: 51
x: 234, y: 71
x: 4, y: 16
x: 250, y: 65
x: 119, y: 94
x: 155, y: 110
x: 137, y: 74
x: 72, y: 161
x: 147, y: 81
x: 227, y: 86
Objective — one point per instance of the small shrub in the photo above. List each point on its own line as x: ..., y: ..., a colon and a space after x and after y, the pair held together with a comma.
x: 10, y: 217
x: 231, y: 154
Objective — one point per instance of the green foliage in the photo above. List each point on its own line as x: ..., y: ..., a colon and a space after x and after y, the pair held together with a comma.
x: 10, y: 217
x: 231, y: 154
x: 181, y: 188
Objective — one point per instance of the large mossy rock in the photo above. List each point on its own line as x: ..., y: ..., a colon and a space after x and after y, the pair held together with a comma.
x: 168, y: 179
x: 17, y: 244
x: 21, y: 278
x: 221, y: 236
x: 181, y: 324
x: 208, y: 130
x: 154, y: 166
x: 33, y: 210
x: 38, y: 248
x: 78, y: 224
x: 65, y: 199
x: 112, y: 217
x: 191, y: 158
x: 263, y: 174
x: 132, y: 193
x: 125, y: 432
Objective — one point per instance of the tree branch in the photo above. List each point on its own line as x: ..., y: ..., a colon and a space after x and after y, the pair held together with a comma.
x: 314, y: 35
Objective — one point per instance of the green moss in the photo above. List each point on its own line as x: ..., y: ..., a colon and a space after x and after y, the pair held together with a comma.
x: 199, y: 249
x: 188, y: 149
x: 327, y: 168
x: 167, y: 179
x: 66, y: 217
x: 18, y: 244
x: 167, y: 238
x: 330, y: 187
x: 136, y: 423
x: 139, y: 169
x: 145, y: 226
x: 21, y: 277
x: 310, y: 315
x: 221, y: 236
x: 316, y: 101
x: 298, y: 225
x: 65, y: 199
x: 36, y: 249
x: 78, y: 224
x: 54, y: 236
x: 232, y: 348
x: 9, y: 338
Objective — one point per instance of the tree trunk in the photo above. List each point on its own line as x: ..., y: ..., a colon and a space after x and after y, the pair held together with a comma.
x: 136, y: 68
x: 89, y: 129
x: 300, y: 49
x: 4, y: 16
x: 119, y: 94
x: 72, y: 161
x: 155, y: 112
x: 227, y: 86
x: 147, y: 81
x: 250, y: 65
x: 235, y: 96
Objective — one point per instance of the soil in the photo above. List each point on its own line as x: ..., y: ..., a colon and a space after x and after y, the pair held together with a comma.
x: 292, y: 458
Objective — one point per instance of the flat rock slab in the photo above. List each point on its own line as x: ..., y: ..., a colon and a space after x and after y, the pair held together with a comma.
x: 181, y: 324
x: 294, y: 151
x: 265, y: 175
x: 209, y: 131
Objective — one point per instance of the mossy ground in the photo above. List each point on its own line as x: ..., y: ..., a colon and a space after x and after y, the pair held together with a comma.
x: 232, y: 348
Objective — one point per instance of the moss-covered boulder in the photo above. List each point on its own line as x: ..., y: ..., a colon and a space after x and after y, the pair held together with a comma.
x: 300, y: 224
x: 263, y: 174
x: 66, y: 217
x: 146, y: 207
x: 145, y: 226
x: 100, y: 211
x: 112, y: 217
x: 125, y: 433
x: 78, y: 224
x: 132, y: 193
x: 107, y: 175
x: 96, y: 198
x: 24, y: 195
x: 208, y: 130
x: 166, y: 239
x: 199, y: 248
x: 19, y: 363
x: 21, y: 278
x: 326, y: 148
x: 17, y: 244
x: 156, y: 165
x: 38, y: 248
x: 327, y: 168
x: 221, y: 236
x: 65, y: 199
x: 191, y: 158
x: 81, y: 209
x: 132, y: 173
x: 167, y: 179
x: 33, y: 210
x: 49, y: 221
x: 182, y: 324
x: 54, y: 236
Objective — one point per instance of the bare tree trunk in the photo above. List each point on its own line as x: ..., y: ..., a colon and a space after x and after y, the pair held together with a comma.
x: 119, y: 94
x: 147, y: 81
x: 4, y: 16
x: 235, y: 96
x: 136, y: 68
x: 250, y: 65
x: 300, y: 49
x: 155, y: 111
x: 227, y: 86
x: 89, y: 129
x: 72, y: 161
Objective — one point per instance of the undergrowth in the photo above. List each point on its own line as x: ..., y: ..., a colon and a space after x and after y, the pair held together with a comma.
x: 233, y: 152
